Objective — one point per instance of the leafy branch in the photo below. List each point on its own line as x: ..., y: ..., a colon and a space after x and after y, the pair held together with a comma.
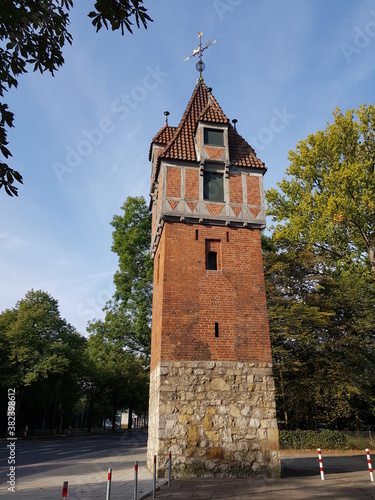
x: 34, y: 33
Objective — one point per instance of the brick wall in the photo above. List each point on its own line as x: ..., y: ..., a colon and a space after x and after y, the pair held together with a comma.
x: 174, y: 182
x: 157, y: 304
x: 235, y: 188
x: 191, y: 184
x: 253, y: 190
x: 189, y: 299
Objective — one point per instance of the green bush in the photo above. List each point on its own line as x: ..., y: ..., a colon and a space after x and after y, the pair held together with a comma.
x: 327, y: 439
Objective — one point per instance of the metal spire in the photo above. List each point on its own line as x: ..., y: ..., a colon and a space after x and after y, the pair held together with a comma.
x: 199, y: 51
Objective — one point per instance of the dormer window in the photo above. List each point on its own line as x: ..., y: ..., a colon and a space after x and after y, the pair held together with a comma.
x: 213, y: 137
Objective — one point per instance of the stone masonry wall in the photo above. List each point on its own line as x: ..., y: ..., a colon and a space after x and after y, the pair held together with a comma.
x: 217, y: 418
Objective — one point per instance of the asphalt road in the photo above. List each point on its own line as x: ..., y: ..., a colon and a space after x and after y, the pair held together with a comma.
x: 42, y: 465
x: 37, y: 455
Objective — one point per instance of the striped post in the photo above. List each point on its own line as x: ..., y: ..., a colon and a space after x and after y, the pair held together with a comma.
x: 169, y: 469
x: 135, y: 480
x: 65, y: 489
x: 321, y: 464
x: 109, y: 484
x: 154, y: 480
x: 369, y: 465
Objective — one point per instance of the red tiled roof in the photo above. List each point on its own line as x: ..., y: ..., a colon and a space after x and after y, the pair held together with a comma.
x: 162, y: 138
x: 164, y: 135
x: 213, y: 113
x: 179, y: 142
x: 182, y: 145
x: 241, y: 153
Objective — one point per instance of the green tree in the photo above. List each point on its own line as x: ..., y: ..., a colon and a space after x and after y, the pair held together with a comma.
x: 119, y: 377
x: 322, y: 331
x: 129, y: 314
x: 119, y: 347
x: 34, y: 33
x: 43, y: 357
x: 328, y: 201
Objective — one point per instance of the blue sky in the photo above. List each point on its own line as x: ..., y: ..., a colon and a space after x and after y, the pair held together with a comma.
x: 81, y: 138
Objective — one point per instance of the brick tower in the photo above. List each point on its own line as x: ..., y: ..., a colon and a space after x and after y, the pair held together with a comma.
x: 212, y: 401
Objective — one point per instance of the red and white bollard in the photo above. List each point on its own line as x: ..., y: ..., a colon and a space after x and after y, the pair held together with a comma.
x: 321, y: 464
x: 108, y: 496
x: 154, y: 480
x: 65, y: 489
x: 169, y: 469
x: 135, y: 480
x: 369, y: 465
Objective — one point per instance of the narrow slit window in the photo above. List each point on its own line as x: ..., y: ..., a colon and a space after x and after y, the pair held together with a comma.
x: 212, y: 261
x: 228, y: 236
x: 196, y: 234
x: 216, y: 330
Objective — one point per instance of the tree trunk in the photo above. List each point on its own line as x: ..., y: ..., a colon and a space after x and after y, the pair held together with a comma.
x: 371, y: 254
x: 90, y: 411
x: 114, y: 414
x: 53, y: 413
x: 130, y: 419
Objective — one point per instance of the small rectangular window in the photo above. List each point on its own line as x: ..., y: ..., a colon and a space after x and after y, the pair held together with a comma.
x: 212, y: 261
x: 213, y: 186
x: 196, y: 234
x: 213, y: 137
x: 213, y: 255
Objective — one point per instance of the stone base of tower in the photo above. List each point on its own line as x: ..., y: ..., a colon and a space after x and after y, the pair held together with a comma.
x: 218, y: 419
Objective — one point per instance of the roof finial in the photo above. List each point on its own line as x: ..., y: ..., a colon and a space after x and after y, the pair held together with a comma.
x: 209, y: 91
x: 166, y: 114
x: 200, y: 66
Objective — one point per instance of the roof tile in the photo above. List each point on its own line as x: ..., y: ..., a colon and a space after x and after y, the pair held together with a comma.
x: 162, y: 138
x: 179, y: 141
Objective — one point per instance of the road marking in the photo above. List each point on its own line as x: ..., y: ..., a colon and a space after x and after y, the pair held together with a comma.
x: 30, y: 451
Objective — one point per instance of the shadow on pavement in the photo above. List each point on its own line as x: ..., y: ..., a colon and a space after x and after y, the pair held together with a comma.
x: 297, y: 467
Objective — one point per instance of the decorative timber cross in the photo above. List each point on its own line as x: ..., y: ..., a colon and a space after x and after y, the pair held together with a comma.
x: 200, y: 66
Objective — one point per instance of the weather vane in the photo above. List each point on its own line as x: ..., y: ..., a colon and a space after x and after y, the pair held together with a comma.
x: 199, y: 51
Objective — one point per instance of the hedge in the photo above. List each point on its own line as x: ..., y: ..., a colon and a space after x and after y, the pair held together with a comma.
x: 327, y: 439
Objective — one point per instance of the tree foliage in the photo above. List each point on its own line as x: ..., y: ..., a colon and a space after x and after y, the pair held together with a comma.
x: 34, y: 34
x: 57, y: 372
x: 119, y: 377
x: 129, y: 314
x: 42, y: 358
x: 328, y: 201
x: 322, y: 325
x: 119, y: 347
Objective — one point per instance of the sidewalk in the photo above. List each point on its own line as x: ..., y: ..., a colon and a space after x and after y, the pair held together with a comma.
x: 90, y: 480
x: 342, y: 487
x: 122, y: 487
x: 346, y: 478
